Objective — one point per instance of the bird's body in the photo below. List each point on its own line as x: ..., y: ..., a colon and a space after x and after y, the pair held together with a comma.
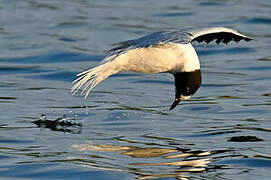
x: 156, y: 59
x: 166, y: 51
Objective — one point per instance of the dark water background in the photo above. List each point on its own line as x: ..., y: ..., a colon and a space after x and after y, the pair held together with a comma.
x: 124, y: 129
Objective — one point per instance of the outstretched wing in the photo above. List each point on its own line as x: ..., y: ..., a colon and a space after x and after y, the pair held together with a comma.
x: 153, y: 39
x: 219, y: 34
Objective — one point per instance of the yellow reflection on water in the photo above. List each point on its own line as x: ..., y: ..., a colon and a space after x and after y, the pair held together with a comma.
x: 172, y: 162
x: 148, y: 152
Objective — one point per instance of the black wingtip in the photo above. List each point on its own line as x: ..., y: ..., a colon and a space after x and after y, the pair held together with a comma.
x: 249, y: 38
x: 174, y: 104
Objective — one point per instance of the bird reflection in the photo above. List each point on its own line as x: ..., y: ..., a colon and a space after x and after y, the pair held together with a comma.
x: 145, y: 161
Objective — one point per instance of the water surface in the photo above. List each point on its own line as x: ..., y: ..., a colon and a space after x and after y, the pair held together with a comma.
x: 124, y: 130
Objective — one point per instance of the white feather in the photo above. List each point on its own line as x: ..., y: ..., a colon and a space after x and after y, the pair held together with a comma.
x: 170, y: 57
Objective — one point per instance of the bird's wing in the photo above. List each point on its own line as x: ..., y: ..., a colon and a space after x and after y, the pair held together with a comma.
x: 152, y: 39
x: 220, y: 34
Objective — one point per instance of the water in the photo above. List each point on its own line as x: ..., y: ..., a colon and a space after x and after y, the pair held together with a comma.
x: 124, y: 129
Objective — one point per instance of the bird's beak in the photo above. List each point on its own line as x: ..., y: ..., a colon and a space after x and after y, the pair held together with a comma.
x: 175, y: 103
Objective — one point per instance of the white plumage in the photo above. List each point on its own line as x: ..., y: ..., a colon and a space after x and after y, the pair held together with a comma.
x: 165, y: 51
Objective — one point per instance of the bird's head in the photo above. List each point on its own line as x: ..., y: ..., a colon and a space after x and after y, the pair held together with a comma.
x: 186, y: 84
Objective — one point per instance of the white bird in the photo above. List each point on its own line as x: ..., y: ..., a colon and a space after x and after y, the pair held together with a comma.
x: 159, y: 52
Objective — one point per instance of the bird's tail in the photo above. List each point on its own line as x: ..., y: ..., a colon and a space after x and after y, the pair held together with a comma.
x: 87, y: 80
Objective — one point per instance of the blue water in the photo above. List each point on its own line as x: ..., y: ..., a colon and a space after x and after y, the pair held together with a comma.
x: 124, y: 129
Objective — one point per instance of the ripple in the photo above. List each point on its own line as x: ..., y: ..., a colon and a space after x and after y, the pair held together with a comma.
x: 140, y: 109
x: 57, y: 76
x: 244, y: 139
x: 216, y: 133
x: 59, y: 57
x: 173, y: 14
x: 253, y: 128
x: 40, y: 5
x: 4, y: 157
x: 153, y: 81
x: 18, y: 69
x: 7, y: 99
x: 235, y: 50
x: 223, y: 85
x: 265, y: 59
x: 249, y: 162
x: 71, y: 24
x: 134, y: 26
x: 67, y: 39
x: 54, y: 169
x: 5, y: 140
x: 258, y: 20
x: 210, y: 4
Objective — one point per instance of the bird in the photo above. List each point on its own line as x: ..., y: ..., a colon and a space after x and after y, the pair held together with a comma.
x: 159, y: 52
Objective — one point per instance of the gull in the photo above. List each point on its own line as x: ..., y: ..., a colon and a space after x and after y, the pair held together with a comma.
x: 159, y: 52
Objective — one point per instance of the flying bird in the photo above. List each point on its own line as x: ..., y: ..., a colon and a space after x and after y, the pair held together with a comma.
x: 159, y: 52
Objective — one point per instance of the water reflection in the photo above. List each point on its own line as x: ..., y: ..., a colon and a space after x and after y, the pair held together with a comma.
x: 147, y: 162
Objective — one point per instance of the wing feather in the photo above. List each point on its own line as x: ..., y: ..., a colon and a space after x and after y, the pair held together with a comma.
x: 219, y: 34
